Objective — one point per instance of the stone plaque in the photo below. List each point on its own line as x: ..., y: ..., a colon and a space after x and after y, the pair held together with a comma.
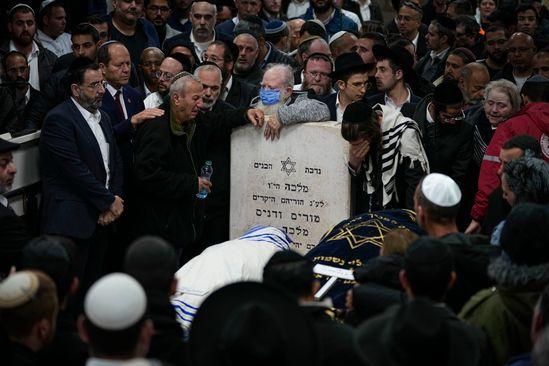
x: 299, y: 183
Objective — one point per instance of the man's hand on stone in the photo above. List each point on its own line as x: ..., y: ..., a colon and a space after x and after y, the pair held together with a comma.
x: 204, y: 184
x: 357, y: 152
x: 272, y: 130
x: 146, y: 114
x: 256, y: 117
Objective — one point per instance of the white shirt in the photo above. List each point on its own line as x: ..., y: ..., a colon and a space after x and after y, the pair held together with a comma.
x: 113, y: 91
x: 364, y: 9
x: 415, y: 40
x: 3, y: 201
x: 439, y: 55
x: 60, y: 45
x: 200, y: 47
x: 154, y: 100
x: 339, y: 111
x: 146, y: 90
x: 520, y: 81
x: 93, y: 122
x: 297, y: 8
x: 428, y: 116
x: 226, y: 89
x: 390, y: 103
x: 92, y: 361
x: 32, y: 59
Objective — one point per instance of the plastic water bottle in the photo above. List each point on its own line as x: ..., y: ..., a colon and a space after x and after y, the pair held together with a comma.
x: 205, y: 173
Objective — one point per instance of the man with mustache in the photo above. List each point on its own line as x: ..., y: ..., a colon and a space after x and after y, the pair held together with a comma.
x: 81, y: 170
x: 521, y: 50
x: 29, y: 103
x: 495, y: 49
x: 179, y: 18
x: 246, y: 67
x: 332, y: 17
x: 22, y: 29
x: 158, y: 12
x: 127, y: 26
x: 170, y: 66
x: 169, y: 152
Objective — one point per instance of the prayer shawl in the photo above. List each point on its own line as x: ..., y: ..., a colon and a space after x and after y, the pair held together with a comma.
x: 236, y: 260
x: 401, y: 138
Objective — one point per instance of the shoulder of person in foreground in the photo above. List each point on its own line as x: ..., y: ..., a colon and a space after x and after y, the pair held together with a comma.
x: 303, y: 109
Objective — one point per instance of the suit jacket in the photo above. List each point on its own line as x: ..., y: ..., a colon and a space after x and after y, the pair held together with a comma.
x: 241, y: 93
x: 421, y: 48
x: 122, y: 127
x: 14, y: 235
x: 407, y: 109
x: 375, y: 10
x: 425, y: 62
x: 73, y: 174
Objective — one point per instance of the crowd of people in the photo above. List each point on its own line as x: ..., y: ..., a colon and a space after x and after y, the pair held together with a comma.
x: 445, y: 108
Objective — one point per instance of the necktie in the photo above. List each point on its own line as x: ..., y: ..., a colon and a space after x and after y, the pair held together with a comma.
x: 119, y: 104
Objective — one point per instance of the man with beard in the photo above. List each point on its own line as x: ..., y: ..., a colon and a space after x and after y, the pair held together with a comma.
x: 245, y: 8
x: 53, y: 20
x: 179, y: 18
x: 394, y: 72
x: 495, y: 49
x: 81, y: 170
x: 333, y: 18
x: 171, y: 66
x: 521, y: 50
x: 29, y: 103
x: 467, y: 35
x: 157, y: 12
x: 316, y: 75
x: 246, y: 67
x: 457, y: 59
x: 447, y: 137
x: 210, y: 76
x: 150, y: 61
x: 472, y: 80
x: 540, y: 63
x: 127, y: 27
x: 22, y: 29
x: 233, y: 91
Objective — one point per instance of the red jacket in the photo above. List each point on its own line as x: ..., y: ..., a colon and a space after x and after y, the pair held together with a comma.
x: 532, y: 120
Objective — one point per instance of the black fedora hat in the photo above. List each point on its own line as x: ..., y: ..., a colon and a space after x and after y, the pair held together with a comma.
x: 414, y: 334
x: 251, y: 323
x: 348, y: 62
x: 6, y: 146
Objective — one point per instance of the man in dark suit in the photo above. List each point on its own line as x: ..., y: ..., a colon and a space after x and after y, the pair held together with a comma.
x: 440, y: 39
x: 14, y: 233
x: 233, y: 91
x: 394, y: 74
x: 408, y: 24
x: 81, y: 170
x: 366, y: 10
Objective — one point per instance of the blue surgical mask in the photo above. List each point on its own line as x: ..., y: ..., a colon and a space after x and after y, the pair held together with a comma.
x: 269, y: 96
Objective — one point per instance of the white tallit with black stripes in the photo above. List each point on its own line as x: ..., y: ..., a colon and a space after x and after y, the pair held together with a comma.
x: 401, y: 138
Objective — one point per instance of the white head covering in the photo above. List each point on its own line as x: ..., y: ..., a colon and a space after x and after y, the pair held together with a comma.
x: 441, y: 190
x: 18, y: 289
x: 115, y: 302
x: 336, y: 36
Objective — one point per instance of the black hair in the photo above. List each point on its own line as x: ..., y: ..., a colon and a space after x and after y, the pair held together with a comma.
x: 121, y: 343
x: 152, y: 262
x: 313, y: 28
x: 427, y: 276
x: 252, y: 25
x: 11, y: 54
x: 528, y: 179
x: 83, y: 29
x: 376, y: 37
x: 443, y: 31
x: 370, y: 129
x: 103, y: 54
x: 465, y: 57
x: 291, y: 272
x: 76, y: 72
x: 373, y: 26
x: 470, y: 25
x: 230, y: 53
x: 526, y: 6
x: 183, y: 60
x: 463, y: 7
x: 526, y: 143
x: 20, y: 8
x: 55, y: 256
x: 536, y: 92
x: 96, y: 19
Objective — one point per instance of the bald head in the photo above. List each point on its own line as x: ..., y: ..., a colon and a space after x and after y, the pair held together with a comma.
x: 473, y: 79
x: 521, y: 50
x: 343, y: 44
x: 540, y: 64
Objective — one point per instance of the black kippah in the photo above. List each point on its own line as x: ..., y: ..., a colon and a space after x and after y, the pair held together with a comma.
x: 357, y: 112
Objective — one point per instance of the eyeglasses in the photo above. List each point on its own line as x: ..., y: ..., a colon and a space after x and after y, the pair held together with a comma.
x: 316, y: 74
x: 97, y: 85
x: 454, y: 119
x: 212, y: 58
x: 164, y: 74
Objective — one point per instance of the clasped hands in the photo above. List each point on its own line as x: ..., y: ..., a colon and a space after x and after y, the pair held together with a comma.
x: 113, y: 213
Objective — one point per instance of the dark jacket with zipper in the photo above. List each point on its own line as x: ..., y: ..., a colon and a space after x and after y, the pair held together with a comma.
x: 166, y: 174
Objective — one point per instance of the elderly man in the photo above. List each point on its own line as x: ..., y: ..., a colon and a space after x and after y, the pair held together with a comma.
x: 51, y: 32
x: 521, y: 50
x: 211, y: 78
x: 281, y: 106
x: 316, y: 75
x: 169, y: 153
x: 233, y: 91
x: 171, y: 66
x: 246, y: 67
x: 22, y: 30
x: 150, y: 61
x: 472, y: 80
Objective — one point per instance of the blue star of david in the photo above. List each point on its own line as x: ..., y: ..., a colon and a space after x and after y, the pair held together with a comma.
x: 288, y: 166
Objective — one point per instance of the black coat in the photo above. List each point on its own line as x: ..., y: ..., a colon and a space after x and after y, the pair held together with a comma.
x: 67, y: 348
x: 407, y: 109
x: 375, y: 10
x: 449, y: 148
x: 241, y: 93
x: 425, y: 63
x: 166, y: 174
x: 421, y: 48
x: 14, y: 235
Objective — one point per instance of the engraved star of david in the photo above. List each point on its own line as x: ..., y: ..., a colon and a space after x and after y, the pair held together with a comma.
x: 288, y: 166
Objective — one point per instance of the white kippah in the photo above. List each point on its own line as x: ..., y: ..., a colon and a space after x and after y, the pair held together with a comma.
x: 18, y: 289
x: 336, y: 36
x: 115, y: 302
x: 441, y: 190
x: 45, y: 3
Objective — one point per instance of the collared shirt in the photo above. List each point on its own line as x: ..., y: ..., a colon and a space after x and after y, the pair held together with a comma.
x: 428, y: 116
x: 200, y: 47
x: 364, y: 9
x: 339, y: 111
x: 235, y: 20
x: 297, y: 8
x: 154, y: 100
x: 390, y: 103
x: 32, y: 59
x: 113, y: 91
x: 439, y: 55
x: 92, y: 361
x: 27, y: 95
x: 93, y: 120
x: 415, y: 40
x: 3, y: 201
x: 146, y: 90
x: 60, y: 45
x: 226, y: 89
